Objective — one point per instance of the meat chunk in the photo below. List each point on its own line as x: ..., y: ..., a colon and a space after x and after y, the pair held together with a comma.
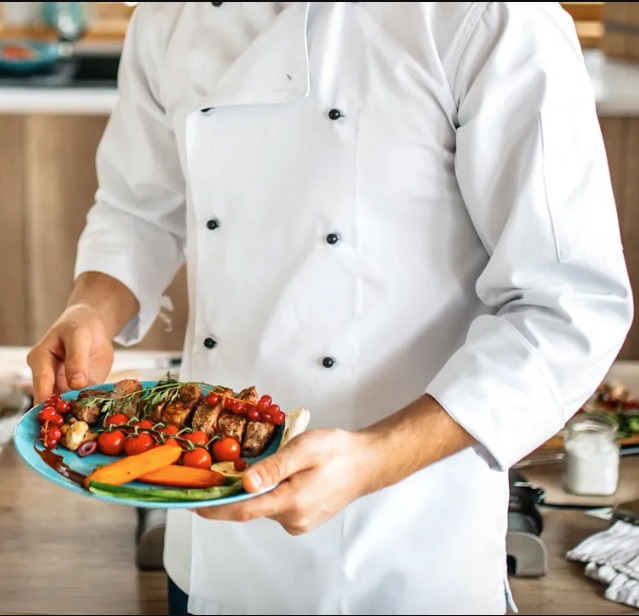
x: 156, y: 413
x: 205, y: 417
x: 190, y: 394
x: 176, y: 413
x: 89, y: 413
x: 249, y: 395
x: 230, y: 424
x: 180, y: 410
x: 125, y: 387
x: 257, y: 436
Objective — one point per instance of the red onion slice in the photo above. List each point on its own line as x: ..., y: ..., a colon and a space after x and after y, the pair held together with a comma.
x: 87, y: 448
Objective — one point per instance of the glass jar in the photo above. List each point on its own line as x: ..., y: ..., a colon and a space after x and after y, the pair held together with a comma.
x: 591, y: 460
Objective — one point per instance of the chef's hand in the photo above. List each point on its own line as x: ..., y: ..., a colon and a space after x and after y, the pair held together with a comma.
x: 319, y: 472
x: 74, y: 353
x: 77, y: 351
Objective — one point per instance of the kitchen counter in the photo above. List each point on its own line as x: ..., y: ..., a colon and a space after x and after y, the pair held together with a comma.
x: 615, y: 82
x: 565, y: 589
x: 68, y: 101
x: 66, y: 553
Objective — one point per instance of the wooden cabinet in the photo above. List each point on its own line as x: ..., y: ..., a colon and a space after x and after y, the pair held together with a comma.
x: 48, y: 182
x: 621, y: 135
x: 13, y: 306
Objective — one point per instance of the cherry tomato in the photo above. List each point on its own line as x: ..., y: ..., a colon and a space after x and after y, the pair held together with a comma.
x: 198, y: 438
x: 212, y: 399
x: 62, y: 406
x: 144, y: 424
x: 226, y: 449
x: 51, y: 400
x: 228, y: 402
x: 111, y: 443
x: 48, y: 413
x: 117, y: 419
x: 264, y: 403
x: 50, y: 435
x: 238, y: 407
x: 267, y: 417
x: 170, y: 430
x: 138, y: 443
x: 278, y: 418
x: 273, y: 409
x: 253, y: 414
x: 240, y: 464
x: 197, y: 458
x: 57, y: 420
x: 48, y: 408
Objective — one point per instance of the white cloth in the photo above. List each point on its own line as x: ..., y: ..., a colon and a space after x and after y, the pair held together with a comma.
x: 479, y: 259
x: 612, y: 558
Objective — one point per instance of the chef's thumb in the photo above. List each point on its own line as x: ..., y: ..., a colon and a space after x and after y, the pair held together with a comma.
x: 77, y: 347
x: 267, y: 472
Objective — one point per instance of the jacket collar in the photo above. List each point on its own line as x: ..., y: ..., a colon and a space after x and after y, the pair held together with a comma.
x: 273, y: 69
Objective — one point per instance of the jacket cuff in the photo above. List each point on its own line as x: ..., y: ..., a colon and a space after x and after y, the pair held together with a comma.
x: 496, y: 389
x: 141, y: 323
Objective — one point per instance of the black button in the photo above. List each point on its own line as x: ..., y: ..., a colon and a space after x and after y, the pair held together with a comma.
x: 209, y: 343
x: 332, y: 239
x: 328, y: 362
x: 217, y: 3
x: 213, y: 224
x: 334, y: 114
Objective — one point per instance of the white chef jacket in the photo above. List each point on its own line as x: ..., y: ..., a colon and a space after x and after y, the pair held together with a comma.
x: 417, y: 191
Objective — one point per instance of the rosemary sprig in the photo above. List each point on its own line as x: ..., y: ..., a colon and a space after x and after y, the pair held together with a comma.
x: 147, y: 399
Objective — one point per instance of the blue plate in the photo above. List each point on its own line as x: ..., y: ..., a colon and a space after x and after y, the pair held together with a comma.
x: 43, y: 55
x: 30, y: 447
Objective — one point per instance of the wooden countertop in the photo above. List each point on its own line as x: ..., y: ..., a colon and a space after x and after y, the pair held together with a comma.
x: 565, y: 589
x: 64, y: 553
x: 67, y: 554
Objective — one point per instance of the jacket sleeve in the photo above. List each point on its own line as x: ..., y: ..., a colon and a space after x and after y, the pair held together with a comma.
x: 135, y: 230
x: 532, y: 169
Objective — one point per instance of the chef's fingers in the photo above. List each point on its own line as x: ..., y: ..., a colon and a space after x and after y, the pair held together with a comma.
x: 298, y: 455
x: 43, y: 364
x: 268, y: 505
x: 77, y: 342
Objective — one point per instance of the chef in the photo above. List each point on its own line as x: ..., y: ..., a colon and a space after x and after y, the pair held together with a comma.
x: 397, y: 215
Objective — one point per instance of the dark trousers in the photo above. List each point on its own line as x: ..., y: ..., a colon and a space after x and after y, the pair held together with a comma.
x: 178, y: 600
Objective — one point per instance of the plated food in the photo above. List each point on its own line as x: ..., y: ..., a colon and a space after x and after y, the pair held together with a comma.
x: 144, y: 443
x: 617, y: 401
x: 614, y: 399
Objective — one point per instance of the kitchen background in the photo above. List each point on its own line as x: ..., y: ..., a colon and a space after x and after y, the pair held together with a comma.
x: 58, y: 77
x: 51, y: 120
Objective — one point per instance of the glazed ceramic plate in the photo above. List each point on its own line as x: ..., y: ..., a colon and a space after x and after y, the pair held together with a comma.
x: 67, y: 468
